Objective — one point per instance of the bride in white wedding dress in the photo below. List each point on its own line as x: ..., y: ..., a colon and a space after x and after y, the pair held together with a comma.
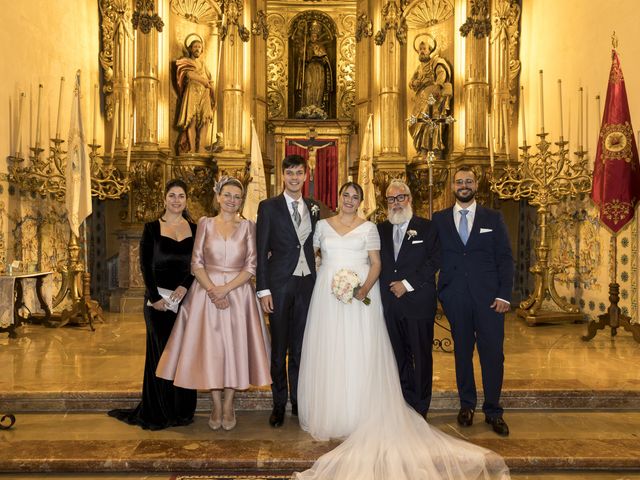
x: 349, y: 384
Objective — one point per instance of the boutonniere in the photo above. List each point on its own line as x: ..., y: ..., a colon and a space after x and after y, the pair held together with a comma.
x: 411, y: 234
x: 315, y: 210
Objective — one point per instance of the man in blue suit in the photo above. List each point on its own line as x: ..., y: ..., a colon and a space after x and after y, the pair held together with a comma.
x: 474, y: 287
x: 409, y: 253
x: 285, y: 277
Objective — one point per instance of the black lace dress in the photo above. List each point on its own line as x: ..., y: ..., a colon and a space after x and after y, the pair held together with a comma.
x: 165, y: 263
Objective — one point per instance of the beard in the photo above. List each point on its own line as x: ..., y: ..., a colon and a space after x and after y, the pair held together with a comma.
x: 400, y: 216
x: 465, y: 197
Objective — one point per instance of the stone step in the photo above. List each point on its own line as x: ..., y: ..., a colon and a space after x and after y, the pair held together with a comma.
x: 544, y: 397
x: 546, y: 442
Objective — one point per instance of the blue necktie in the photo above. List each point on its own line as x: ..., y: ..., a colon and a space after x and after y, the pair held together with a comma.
x: 463, y: 229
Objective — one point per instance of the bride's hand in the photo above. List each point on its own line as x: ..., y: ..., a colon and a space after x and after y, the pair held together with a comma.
x: 361, y: 294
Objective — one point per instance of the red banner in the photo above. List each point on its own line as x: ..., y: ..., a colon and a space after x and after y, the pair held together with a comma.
x: 616, y: 170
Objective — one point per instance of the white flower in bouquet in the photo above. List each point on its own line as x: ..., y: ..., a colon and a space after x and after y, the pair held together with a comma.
x: 345, y: 284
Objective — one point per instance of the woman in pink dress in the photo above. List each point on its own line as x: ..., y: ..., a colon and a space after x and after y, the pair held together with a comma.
x: 219, y: 340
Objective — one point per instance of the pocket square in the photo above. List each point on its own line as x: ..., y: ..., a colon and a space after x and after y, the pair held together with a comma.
x: 486, y: 230
x: 417, y: 241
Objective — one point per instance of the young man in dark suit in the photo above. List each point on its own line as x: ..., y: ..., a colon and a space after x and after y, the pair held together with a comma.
x: 285, y: 278
x: 474, y: 287
x: 409, y: 253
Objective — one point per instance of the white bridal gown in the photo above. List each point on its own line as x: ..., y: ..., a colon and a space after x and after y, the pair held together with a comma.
x: 349, y: 386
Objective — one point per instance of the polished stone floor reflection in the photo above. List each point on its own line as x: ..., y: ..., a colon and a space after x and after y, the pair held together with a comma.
x: 573, y: 408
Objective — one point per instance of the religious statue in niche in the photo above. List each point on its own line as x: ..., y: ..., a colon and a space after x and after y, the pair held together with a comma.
x: 314, y: 50
x: 431, y: 83
x: 196, y: 97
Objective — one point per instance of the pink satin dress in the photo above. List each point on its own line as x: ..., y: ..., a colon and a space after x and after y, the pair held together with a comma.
x: 211, y: 348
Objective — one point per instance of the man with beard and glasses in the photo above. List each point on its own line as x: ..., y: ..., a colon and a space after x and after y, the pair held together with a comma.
x: 474, y: 287
x: 410, y: 259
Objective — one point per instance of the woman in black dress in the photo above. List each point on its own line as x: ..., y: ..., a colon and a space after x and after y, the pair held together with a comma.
x: 165, y: 261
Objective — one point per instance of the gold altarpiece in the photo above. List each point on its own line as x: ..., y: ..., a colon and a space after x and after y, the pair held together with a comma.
x: 247, y: 49
x: 251, y: 51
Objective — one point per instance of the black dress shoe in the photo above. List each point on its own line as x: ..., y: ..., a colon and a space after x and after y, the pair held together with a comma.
x: 465, y: 416
x: 294, y: 409
x: 499, y: 425
x: 277, y: 417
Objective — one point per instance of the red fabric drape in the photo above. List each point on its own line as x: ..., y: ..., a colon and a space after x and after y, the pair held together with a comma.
x: 616, y: 172
x: 326, y: 173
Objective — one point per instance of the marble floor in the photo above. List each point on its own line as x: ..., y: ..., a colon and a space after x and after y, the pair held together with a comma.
x: 545, y: 357
x: 573, y: 408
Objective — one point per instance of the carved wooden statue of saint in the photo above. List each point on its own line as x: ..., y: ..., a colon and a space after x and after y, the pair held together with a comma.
x: 314, y: 72
x: 431, y: 83
x: 196, y: 97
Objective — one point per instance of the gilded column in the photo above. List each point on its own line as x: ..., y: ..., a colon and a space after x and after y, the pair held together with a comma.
x: 116, y: 62
x: 147, y: 24
x: 390, y: 39
x: 476, y: 85
x: 234, y: 81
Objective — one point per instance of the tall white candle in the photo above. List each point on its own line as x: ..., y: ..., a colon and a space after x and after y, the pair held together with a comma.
x: 522, y: 117
x: 38, y: 119
x: 490, y: 139
x: 586, y: 120
x: 95, y: 113
x: 30, y: 115
x: 114, y: 128
x: 11, y: 138
x: 59, y: 107
x: 580, y: 132
x: 19, y: 127
x: 507, y: 129
x: 541, y: 103
x: 560, y: 99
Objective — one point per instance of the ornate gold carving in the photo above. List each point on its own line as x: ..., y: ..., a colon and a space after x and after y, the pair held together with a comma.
x: 116, y: 15
x: 617, y: 140
x: 427, y: 13
x: 346, y: 81
x: 259, y: 26
x: 146, y: 191
x: 392, y: 19
x: 544, y: 179
x: 364, y: 26
x: 200, y: 179
x: 144, y: 18
x: 233, y: 13
x: 506, y: 30
x: 478, y: 21
x: 277, y: 77
x: 196, y: 11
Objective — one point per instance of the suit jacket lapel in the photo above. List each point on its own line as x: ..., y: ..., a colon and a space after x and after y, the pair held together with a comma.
x: 452, y: 228
x: 387, y: 240
x: 479, y: 219
x: 286, y: 215
x: 405, y: 239
x: 313, y: 216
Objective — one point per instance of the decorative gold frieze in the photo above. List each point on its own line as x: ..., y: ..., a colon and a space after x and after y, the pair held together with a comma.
x: 277, y: 77
x: 346, y: 74
x: 364, y: 26
x: 116, y: 16
x: 478, y: 21
x: 392, y: 19
x: 147, y: 183
x: 232, y: 11
x: 427, y: 13
x: 259, y: 26
x: 145, y: 18
x: 196, y: 11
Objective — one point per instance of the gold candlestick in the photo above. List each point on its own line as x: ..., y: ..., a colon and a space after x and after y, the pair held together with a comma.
x: 544, y: 179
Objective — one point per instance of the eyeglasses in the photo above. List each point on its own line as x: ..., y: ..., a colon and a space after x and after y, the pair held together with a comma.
x: 468, y: 181
x: 398, y: 198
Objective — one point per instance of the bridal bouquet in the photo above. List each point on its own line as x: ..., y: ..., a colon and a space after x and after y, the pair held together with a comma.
x: 345, y: 285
